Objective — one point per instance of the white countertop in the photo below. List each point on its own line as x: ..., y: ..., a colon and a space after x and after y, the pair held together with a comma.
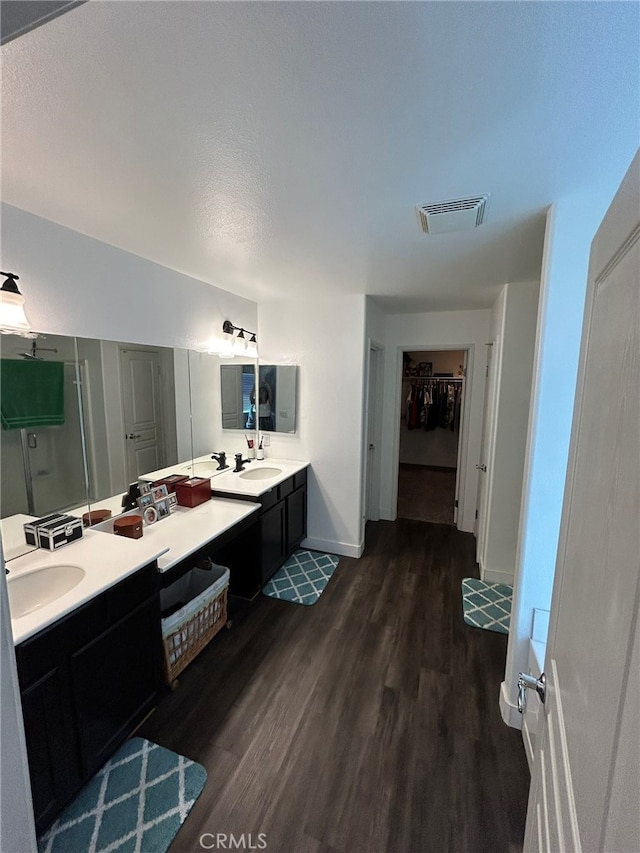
x: 234, y: 484
x: 187, y: 529
x: 228, y: 481
x: 105, y: 560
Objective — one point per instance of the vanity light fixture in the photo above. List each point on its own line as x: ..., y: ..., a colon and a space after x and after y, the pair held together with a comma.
x: 233, y: 344
x: 13, y: 320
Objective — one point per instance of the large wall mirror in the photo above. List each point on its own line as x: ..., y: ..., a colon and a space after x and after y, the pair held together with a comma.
x: 119, y: 410
x: 270, y: 407
x: 83, y: 418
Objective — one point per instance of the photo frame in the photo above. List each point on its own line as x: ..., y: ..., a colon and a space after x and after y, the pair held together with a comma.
x: 159, y: 493
x: 145, y: 500
x: 425, y: 368
x: 164, y: 507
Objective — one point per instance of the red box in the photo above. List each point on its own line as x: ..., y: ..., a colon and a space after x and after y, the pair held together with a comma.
x: 193, y: 491
x: 170, y: 482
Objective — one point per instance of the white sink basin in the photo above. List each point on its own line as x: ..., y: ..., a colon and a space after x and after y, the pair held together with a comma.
x: 201, y: 469
x: 260, y: 473
x: 31, y: 590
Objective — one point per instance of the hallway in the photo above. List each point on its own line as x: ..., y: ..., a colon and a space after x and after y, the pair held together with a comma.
x: 368, y: 722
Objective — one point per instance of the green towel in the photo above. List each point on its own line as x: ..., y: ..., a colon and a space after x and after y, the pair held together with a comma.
x: 31, y: 393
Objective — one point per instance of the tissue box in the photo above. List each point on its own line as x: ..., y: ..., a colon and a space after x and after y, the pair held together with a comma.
x: 53, y: 531
x: 193, y: 491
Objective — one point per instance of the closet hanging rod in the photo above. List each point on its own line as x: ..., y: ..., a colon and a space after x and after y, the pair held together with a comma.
x: 434, y: 378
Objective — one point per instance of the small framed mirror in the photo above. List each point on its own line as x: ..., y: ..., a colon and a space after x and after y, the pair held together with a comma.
x: 271, y: 407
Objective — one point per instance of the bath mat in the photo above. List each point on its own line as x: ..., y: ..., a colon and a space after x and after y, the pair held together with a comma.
x: 303, y: 577
x: 487, y: 605
x: 137, y: 801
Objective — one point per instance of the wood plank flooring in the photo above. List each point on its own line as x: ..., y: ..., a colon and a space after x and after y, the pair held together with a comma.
x: 368, y: 722
x: 426, y: 493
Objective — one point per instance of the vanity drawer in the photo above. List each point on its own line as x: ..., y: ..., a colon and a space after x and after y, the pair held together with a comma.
x: 300, y: 479
x: 269, y: 499
x: 132, y: 591
x: 285, y: 488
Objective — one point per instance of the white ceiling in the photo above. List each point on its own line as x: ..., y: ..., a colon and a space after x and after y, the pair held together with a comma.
x: 268, y: 148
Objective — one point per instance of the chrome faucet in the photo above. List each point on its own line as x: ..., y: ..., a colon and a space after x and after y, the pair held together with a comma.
x: 240, y: 463
x: 221, y: 459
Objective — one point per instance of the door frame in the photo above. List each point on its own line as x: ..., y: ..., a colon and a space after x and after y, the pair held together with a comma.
x: 372, y: 427
x: 488, y: 446
x: 465, y: 409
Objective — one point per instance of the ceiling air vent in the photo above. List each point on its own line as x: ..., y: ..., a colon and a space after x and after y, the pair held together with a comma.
x: 455, y: 214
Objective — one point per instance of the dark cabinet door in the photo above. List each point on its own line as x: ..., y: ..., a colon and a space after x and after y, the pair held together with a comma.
x: 296, y: 519
x: 51, y: 746
x: 115, y: 680
x: 273, y: 533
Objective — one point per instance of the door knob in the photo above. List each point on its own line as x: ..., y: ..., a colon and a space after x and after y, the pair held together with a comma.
x: 134, y: 435
x: 530, y: 682
x: 481, y: 467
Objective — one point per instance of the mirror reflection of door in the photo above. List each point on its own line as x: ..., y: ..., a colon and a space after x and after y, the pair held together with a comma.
x: 142, y: 411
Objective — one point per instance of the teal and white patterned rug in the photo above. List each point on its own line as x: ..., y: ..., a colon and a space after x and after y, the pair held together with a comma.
x: 303, y: 577
x: 136, y: 802
x: 487, y: 605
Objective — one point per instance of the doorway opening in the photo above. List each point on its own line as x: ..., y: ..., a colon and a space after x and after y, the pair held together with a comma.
x: 432, y: 404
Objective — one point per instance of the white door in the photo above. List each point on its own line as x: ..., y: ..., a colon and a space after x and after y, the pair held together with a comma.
x: 374, y: 399
x: 487, y: 446
x: 142, y: 411
x: 585, y: 790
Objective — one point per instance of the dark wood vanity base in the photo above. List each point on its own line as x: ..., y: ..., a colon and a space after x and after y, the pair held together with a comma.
x: 282, y: 523
x: 87, y: 681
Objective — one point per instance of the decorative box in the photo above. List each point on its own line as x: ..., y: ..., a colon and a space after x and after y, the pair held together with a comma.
x: 194, y: 491
x: 128, y: 525
x: 95, y: 516
x: 53, y: 531
x: 170, y: 482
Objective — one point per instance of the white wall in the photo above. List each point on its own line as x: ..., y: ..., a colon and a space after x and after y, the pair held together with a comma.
x: 17, y: 831
x: 514, y: 317
x: 435, y: 330
x: 75, y: 285
x: 571, y: 225
x: 324, y: 336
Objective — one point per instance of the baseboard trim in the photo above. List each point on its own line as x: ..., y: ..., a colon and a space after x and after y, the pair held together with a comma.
x: 491, y: 576
x: 510, y: 714
x: 342, y: 549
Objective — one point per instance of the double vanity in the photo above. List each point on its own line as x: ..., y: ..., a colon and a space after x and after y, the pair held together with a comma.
x: 86, y: 618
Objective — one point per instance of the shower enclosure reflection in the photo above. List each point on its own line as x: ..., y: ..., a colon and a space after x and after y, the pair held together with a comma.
x: 41, y: 450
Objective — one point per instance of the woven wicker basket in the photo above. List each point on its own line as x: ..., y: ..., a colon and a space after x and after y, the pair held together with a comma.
x: 190, y: 635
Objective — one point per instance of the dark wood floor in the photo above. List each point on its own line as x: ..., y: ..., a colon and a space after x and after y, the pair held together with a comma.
x: 368, y: 722
x: 426, y: 493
